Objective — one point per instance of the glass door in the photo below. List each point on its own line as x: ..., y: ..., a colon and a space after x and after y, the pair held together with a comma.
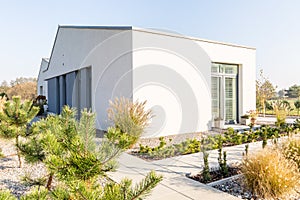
x: 224, y: 91
x: 230, y: 98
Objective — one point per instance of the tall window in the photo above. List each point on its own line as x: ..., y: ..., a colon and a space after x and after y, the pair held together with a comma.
x: 224, y: 91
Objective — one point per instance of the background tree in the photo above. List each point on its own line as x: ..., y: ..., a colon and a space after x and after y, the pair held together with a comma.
x: 282, y: 93
x: 24, y: 87
x: 264, y: 91
x: 14, y: 118
x: 4, y: 87
x: 294, y: 91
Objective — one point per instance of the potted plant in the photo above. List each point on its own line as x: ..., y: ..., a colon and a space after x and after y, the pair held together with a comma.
x: 253, y: 114
x: 219, y: 122
x: 245, y: 119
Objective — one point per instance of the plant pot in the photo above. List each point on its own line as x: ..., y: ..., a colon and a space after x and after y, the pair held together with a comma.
x: 245, y: 121
x: 253, y: 121
x: 45, y: 108
x: 219, y: 123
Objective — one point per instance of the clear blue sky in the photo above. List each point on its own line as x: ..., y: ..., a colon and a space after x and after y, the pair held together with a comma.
x: 28, y: 28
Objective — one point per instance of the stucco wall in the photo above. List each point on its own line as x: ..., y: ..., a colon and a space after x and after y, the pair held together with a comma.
x: 173, y: 73
x: 246, y: 59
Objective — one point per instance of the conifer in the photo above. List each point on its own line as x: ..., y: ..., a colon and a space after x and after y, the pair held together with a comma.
x: 14, y: 119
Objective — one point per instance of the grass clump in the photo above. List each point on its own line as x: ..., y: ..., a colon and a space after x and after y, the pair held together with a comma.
x: 269, y: 175
x: 129, y: 117
x: 291, y: 150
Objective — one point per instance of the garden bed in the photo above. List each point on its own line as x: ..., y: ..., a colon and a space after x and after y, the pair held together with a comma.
x: 165, y: 147
x: 216, y: 174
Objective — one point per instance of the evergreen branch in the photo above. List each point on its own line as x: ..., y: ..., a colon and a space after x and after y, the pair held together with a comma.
x: 80, y: 193
x: 143, y: 188
x: 113, y: 156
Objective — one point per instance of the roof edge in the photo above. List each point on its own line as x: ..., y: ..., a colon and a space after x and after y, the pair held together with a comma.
x: 96, y: 27
x: 153, y: 31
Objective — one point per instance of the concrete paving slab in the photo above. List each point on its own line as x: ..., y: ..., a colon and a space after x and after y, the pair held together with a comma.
x: 178, y: 166
x: 195, y: 190
x: 175, y: 184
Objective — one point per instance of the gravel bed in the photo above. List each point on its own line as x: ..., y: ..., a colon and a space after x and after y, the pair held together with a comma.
x: 11, y: 174
x: 237, y: 188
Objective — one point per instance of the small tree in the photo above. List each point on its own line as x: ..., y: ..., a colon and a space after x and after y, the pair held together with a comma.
x: 264, y: 91
x: 14, y: 118
x: 281, y: 110
x: 68, y: 149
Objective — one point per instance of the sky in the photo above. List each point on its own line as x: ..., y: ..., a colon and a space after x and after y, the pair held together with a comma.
x: 28, y: 28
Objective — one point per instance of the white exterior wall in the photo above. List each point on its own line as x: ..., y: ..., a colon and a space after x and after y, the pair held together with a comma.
x: 107, y: 52
x: 191, y: 59
x: 173, y: 75
x: 41, y: 78
x: 246, y: 59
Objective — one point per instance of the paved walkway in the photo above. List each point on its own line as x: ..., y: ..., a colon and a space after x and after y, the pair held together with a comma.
x: 175, y: 184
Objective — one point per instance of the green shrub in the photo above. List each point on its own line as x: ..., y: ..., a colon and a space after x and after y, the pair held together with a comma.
x: 6, y: 195
x: 210, y: 142
x: 165, y: 152
x: 146, y: 149
x: 269, y: 175
x: 162, y: 150
x: 206, y: 171
x: 188, y: 146
x: 233, y: 137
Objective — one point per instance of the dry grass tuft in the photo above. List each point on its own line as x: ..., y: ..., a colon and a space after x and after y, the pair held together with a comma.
x: 130, y: 117
x: 269, y: 175
x: 2, y: 101
x: 291, y: 150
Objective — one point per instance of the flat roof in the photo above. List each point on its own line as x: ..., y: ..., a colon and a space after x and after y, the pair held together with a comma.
x: 153, y: 31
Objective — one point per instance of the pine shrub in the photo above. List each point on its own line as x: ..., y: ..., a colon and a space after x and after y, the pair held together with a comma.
x: 67, y: 148
x: 14, y: 119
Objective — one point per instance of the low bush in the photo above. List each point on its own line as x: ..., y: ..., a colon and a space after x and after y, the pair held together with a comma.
x: 211, y: 142
x: 147, y: 149
x: 233, y: 137
x: 269, y: 175
x: 189, y: 146
x: 163, y: 151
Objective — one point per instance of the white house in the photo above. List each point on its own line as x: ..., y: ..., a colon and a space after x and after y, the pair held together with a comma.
x: 42, y: 88
x: 187, y: 82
